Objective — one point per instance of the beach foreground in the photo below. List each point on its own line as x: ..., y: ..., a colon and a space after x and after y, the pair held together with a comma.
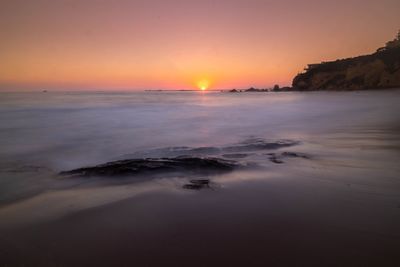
x: 330, y: 198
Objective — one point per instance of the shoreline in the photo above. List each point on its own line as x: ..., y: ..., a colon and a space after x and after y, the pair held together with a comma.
x: 204, y: 228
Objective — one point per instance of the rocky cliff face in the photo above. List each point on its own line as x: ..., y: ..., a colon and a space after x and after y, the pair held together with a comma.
x: 376, y: 71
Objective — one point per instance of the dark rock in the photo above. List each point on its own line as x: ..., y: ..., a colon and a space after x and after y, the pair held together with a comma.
x: 276, y: 88
x: 233, y: 91
x: 131, y: 167
x: 193, y: 186
x: 252, y: 89
x: 295, y: 155
x: 197, y: 184
x: 275, y: 159
x: 205, y: 182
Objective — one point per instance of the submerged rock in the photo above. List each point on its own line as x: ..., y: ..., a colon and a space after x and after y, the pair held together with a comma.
x: 153, y: 165
x: 278, y: 158
x: 295, y: 155
x: 275, y: 159
x: 197, y: 184
x: 188, y: 160
x: 205, y: 182
x: 249, y: 145
x: 192, y: 186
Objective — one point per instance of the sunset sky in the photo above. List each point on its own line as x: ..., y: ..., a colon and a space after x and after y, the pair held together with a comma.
x: 181, y: 44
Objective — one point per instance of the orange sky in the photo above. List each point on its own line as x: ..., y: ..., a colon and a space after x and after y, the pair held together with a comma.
x: 175, y: 44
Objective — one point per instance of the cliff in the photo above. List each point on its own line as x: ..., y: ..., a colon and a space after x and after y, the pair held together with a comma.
x: 375, y: 71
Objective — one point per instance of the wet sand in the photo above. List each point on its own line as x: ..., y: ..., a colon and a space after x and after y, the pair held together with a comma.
x: 302, y: 219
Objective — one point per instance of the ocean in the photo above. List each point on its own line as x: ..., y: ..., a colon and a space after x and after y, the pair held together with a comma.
x: 338, y: 180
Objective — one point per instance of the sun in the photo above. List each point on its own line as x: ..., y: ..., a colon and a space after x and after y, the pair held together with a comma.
x: 203, y: 85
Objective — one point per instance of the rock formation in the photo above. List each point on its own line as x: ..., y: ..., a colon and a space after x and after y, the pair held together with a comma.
x: 131, y: 167
x: 376, y: 71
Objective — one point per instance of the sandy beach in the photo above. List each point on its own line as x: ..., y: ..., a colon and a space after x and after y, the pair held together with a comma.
x: 302, y: 217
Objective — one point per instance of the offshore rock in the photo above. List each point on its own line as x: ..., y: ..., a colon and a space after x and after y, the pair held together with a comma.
x: 278, y: 158
x: 131, y: 167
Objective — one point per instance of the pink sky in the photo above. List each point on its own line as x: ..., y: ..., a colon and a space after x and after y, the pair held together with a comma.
x: 174, y: 44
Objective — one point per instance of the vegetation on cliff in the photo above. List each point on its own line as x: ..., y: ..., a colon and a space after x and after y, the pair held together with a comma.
x: 375, y: 71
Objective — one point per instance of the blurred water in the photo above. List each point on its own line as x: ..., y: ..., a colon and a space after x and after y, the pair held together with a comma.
x: 43, y: 133
x: 340, y: 201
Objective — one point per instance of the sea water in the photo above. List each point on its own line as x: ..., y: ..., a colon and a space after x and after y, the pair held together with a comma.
x: 349, y: 137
